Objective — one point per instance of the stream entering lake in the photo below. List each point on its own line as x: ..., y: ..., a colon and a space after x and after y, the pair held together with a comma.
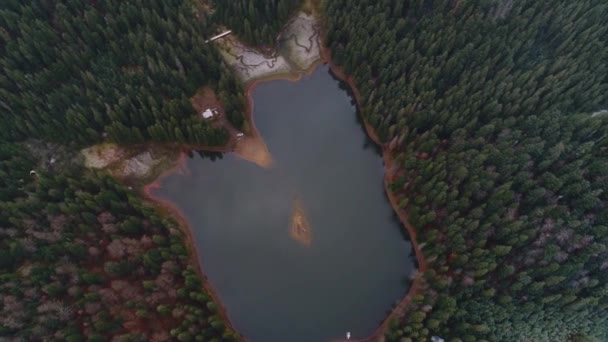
x: 310, y: 248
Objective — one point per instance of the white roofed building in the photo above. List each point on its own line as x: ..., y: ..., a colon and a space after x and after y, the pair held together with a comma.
x: 207, y: 114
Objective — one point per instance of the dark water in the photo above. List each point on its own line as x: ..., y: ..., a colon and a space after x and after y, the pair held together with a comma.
x: 274, y: 288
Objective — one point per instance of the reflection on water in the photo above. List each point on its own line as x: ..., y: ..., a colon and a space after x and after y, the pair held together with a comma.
x: 308, y: 249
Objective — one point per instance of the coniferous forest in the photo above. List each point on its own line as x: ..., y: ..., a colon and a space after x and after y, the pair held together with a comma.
x: 81, y: 256
x: 491, y: 110
x: 487, y: 108
x: 257, y: 22
x: 82, y: 259
x: 77, y: 72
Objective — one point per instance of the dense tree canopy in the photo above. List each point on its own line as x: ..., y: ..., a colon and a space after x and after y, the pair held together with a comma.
x: 78, y: 71
x: 80, y: 255
x: 487, y: 106
x: 257, y: 22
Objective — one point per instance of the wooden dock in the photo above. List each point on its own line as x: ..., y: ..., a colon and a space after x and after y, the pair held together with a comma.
x: 216, y: 37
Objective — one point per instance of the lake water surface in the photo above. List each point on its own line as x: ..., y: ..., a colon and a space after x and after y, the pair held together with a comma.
x: 277, y: 289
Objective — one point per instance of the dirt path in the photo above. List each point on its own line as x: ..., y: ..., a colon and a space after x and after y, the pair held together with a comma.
x: 389, y: 165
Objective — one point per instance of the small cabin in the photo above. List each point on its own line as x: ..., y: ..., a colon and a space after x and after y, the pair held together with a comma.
x: 207, y: 114
x: 210, y: 113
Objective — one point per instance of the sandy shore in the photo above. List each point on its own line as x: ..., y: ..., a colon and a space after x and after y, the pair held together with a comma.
x: 298, y: 50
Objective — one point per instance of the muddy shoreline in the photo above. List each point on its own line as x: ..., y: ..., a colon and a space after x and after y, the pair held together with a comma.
x: 168, y: 208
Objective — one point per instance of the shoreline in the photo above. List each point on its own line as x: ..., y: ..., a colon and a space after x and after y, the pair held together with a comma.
x: 292, y: 76
x: 388, y: 160
x: 167, y: 207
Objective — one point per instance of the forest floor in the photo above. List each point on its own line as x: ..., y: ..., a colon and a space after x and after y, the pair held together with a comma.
x: 205, y: 98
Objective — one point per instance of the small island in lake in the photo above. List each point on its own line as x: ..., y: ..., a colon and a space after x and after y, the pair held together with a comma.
x: 300, y: 226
